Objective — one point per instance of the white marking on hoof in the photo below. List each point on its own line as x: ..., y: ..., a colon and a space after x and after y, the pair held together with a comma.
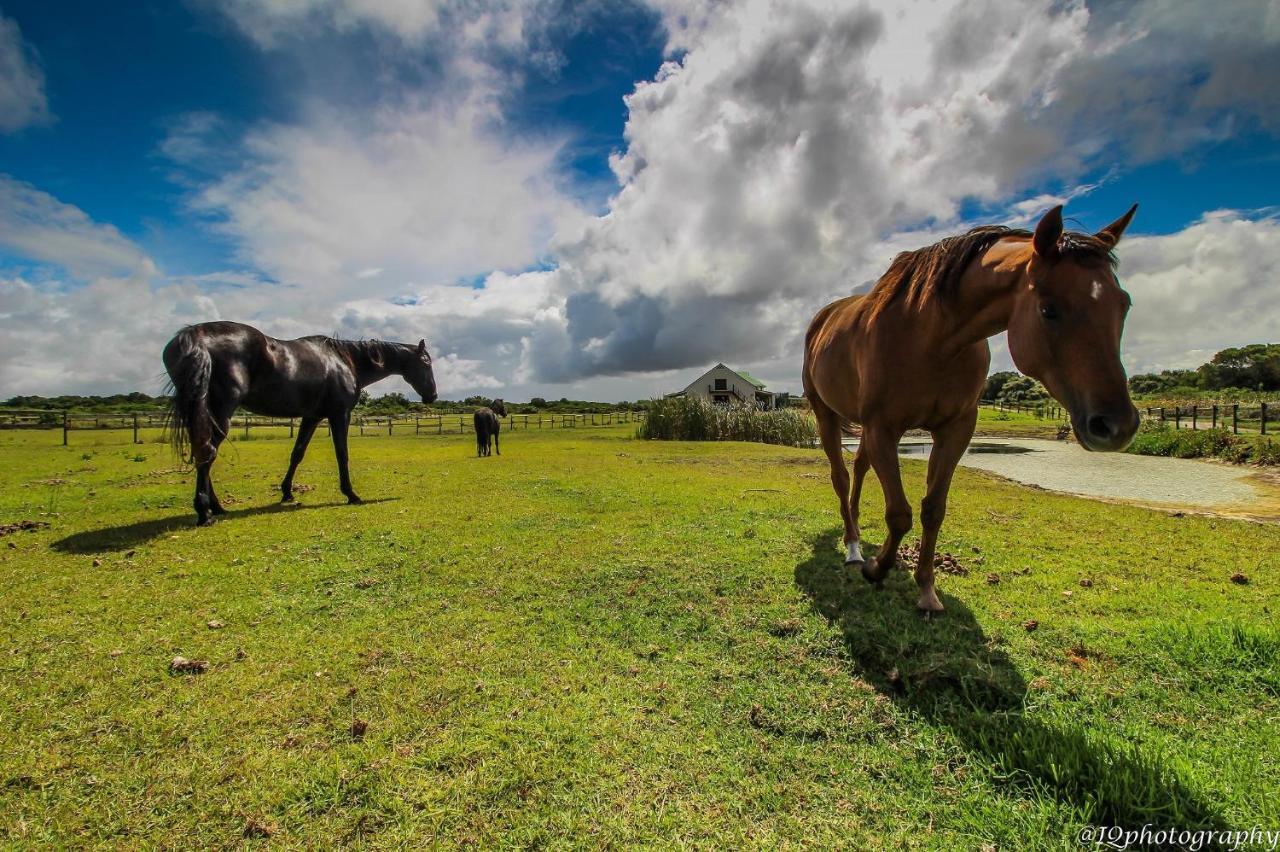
x: 854, y: 553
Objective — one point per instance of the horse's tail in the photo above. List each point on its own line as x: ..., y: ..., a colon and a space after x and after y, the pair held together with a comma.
x: 190, y: 424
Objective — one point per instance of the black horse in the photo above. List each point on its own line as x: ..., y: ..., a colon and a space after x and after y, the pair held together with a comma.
x: 488, y: 422
x: 216, y: 367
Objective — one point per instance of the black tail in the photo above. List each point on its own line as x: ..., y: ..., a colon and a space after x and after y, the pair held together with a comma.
x: 190, y: 425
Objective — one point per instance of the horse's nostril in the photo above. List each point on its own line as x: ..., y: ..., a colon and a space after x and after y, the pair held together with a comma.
x: 1100, y: 427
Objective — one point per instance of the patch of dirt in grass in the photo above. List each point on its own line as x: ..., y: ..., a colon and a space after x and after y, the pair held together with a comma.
x: 947, y: 563
x: 22, y: 526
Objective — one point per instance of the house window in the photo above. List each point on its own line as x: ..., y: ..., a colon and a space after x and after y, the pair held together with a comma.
x: 722, y: 384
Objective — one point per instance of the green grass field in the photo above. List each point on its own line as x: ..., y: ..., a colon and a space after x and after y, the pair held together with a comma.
x: 593, y: 640
x: 1014, y: 424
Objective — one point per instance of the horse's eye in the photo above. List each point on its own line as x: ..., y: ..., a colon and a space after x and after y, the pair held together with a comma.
x: 1049, y: 312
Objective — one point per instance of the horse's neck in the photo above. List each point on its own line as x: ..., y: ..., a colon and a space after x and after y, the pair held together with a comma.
x: 984, y: 300
x: 375, y: 360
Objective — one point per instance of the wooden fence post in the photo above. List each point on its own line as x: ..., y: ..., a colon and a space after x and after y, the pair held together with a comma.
x: 1195, y: 409
x: 1177, y: 417
x: 135, y: 428
x: 1215, y: 417
x: 246, y: 425
x: 65, y: 426
x: 290, y: 427
x: 1264, y: 418
x: 1235, y: 418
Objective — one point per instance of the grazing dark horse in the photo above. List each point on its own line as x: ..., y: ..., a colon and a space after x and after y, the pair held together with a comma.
x: 216, y: 367
x: 488, y: 423
x: 912, y: 354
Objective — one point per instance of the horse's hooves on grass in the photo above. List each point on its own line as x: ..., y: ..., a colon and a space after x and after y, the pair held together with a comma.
x: 205, y: 522
x: 929, y: 614
x: 218, y: 510
x: 288, y: 498
x: 354, y: 500
x: 872, y: 574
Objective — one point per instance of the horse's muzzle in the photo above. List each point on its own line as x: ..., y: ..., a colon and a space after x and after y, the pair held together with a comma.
x: 1105, y: 432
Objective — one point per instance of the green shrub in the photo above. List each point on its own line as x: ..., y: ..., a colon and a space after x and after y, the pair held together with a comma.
x: 1156, y: 439
x: 691, y: 419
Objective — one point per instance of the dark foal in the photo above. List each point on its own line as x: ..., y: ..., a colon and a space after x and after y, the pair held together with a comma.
x: 217, y: 367
x: 488, y: 422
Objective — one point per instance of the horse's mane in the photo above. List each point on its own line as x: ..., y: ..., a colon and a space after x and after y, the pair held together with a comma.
x: 374, y: 351
x: 935, y: 271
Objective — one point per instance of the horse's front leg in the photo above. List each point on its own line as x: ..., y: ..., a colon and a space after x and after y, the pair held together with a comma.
x: 338, y: 425
x: 882, y: 452
x: 949, y: 444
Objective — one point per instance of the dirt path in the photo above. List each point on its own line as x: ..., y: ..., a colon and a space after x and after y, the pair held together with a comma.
x: 1180, y: 484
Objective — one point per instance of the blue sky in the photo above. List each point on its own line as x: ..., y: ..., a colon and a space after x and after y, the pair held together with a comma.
x: 473, y: 174
x: 120, y: 74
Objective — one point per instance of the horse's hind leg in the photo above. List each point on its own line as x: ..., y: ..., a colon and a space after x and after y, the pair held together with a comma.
x: 882, y: 450
x: 830, y: 434
x: 949, y: 444
x: 221, y: 426
x: 306, y: 429
x: 496, y: 448
x: 202, y: 503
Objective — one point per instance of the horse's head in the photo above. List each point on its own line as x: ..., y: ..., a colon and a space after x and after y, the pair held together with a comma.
x: 1065, y: 329
x: 417, y: 372
x: 499, y: 408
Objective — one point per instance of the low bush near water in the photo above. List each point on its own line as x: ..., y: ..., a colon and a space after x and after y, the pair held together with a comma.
x: 691, y: 419
x: 1161, y: 440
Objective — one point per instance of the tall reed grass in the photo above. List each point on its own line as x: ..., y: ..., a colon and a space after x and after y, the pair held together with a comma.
x: 685, y: 418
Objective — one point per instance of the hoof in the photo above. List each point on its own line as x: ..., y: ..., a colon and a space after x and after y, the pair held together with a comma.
x: 218, y: 510
x: 929, y: 614
x: 873, y: 573
x: 288, y: 498
x: 354, y: 500
x: 929, y: 606
x: 205, y: 522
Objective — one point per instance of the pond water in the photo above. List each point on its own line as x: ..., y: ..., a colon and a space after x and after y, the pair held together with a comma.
x: 1148, y: 480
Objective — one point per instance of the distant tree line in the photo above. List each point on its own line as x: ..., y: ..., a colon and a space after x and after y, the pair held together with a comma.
x: 1255, y: 367
x: 398, y: 403
x: 392, y: 403
x: 1245, y: 368
x: 120, y: 402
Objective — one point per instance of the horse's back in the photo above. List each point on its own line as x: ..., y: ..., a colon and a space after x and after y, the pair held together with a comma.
x: 486, y: 419
x: 829, y: 372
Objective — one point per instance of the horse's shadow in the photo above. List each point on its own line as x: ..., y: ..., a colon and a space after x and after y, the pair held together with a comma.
x: 127, y: 536
x: 952, y: 675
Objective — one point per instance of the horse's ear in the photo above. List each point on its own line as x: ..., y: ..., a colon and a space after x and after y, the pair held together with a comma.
x: 422, y: 346
x: 1112, y: 233
x: 1048, y: 232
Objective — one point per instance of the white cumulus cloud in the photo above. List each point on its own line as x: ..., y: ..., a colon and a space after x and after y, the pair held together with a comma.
x: 22, y: 97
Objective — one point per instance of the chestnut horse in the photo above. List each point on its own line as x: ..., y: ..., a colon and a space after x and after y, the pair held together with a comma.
x: 217, y: 367
x: 913, y: 354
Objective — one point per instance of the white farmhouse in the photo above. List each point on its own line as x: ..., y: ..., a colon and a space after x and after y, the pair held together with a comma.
x: 723, y: 386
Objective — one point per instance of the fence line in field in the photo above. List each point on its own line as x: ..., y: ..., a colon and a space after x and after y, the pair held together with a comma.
x: 1238, y: 418
x: 363, y: 424
x: 1044, y: 410
x: 1235, y: 417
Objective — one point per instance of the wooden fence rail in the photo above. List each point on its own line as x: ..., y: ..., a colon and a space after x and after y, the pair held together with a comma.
x: 362, y: 424
x: 1045, y: 411
x: 1238, y: 418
